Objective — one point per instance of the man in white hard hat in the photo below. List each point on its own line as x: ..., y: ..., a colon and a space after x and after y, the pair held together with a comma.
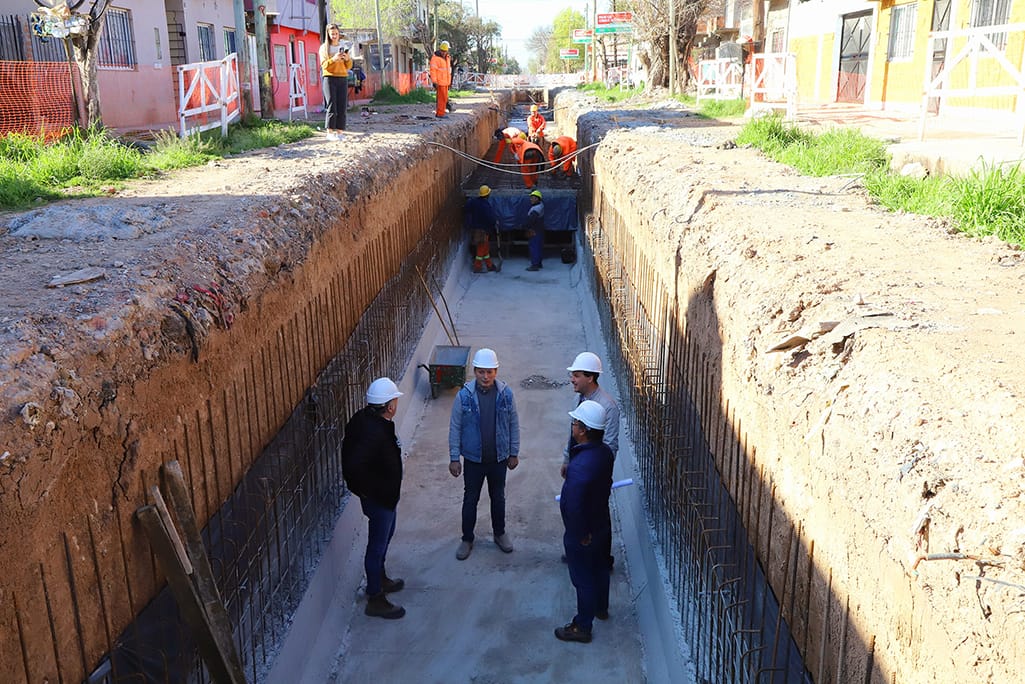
x: 583, y: 375
x: 584, y: 505
x: 485, y: 431
x: 372, y: 468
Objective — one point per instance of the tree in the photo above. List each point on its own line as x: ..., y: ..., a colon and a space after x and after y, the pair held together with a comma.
x: 84, y: 47
x: 651, y: 25
x: 539, y: 43
x: 562, y: 37
x: 480, y: 37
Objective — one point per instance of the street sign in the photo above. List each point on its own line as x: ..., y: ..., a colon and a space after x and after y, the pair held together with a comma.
x: 615, y: 28
x: 569, y: 53
x: 615, y: 18
x: 582, y: 35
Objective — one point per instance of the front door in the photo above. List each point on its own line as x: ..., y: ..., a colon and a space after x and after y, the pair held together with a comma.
x: 855, y: 39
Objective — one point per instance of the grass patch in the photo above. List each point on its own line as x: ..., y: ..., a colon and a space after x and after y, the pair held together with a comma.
x: 720, y: 109
x: 82, y: 162
x: 986, y: 202
x: 613, y: 94
x: 388, y: 95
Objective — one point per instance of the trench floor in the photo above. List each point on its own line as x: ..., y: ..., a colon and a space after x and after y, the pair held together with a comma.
x: 491, y: 617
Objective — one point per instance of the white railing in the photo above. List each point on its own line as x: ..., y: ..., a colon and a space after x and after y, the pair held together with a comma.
x: 720, y: 79
x: 469, y: 79
x: 297, y: 101
x: 205, y: 88
x: 978, y: 43
x: 775, y: 83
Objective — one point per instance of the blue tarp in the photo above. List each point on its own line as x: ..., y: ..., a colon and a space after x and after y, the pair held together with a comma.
x: 560, y: 210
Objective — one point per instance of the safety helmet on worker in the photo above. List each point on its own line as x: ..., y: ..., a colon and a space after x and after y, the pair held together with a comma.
x: 536, y: 193
x: 484, y: 191
x: 444, y: 46
x: 533, y: 108
x: 587, y: 362
x: 381, y: 391
x: 485, y: 358
x: 590, y: 413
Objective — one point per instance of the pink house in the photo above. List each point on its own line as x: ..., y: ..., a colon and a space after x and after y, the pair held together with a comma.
x: 144, y: 41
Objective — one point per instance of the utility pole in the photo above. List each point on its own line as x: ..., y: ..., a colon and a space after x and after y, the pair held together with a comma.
x: 594, y: 47
x: 380, y: 44
x: 434, y: 46
x: 672, y: 47
x: 263, y: 62
x: 242, y: 52
x: 322, y: 18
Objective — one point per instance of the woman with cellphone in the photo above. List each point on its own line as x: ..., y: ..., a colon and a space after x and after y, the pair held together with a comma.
x: 335, y: 63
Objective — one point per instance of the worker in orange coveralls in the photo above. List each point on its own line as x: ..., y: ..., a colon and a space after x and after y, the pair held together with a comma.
x: 441, y: 77
x: 531, y: 161
x: 562, y: 152
x: 510, y: 137
x: 536, y: 126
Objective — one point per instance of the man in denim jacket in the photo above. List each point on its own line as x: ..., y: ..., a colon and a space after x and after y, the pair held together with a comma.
x: 485, y: 431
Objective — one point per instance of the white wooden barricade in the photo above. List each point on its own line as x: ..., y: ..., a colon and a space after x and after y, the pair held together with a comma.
x: 212, y: 87
x: 297, y: 101
x: 977, y: 43
x: 720, y: 79
x: 775, y: 83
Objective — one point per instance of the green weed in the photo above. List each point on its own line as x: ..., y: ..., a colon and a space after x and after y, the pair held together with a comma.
x: 613, y: 94
x: 388, y: 95
x: 720, y: 109
x: 991, y: 201
x: 172, y: 152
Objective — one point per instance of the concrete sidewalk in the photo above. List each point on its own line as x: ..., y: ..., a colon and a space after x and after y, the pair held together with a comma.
x: 952, y: 144
x: 491, y: 617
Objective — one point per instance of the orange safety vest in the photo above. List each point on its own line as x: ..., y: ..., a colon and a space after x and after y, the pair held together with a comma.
x: 567, y: 144
x: 535, y: 124
x: 441, y: 69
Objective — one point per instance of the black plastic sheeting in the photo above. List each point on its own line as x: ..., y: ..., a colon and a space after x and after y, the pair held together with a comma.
x: 560, y: 210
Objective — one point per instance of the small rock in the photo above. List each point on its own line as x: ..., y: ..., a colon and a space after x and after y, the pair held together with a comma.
x: 914, y: 170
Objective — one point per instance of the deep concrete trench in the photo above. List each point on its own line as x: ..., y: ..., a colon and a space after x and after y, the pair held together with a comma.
x: 740, y: 597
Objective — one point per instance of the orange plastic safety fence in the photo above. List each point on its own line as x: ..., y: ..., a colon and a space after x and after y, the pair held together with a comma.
x: 35, y: 98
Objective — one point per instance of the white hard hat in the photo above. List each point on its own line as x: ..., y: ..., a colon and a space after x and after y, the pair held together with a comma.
x: 381, y: 391
x: 586, y: 361
x: 591, y: 414
x: 485, y: 358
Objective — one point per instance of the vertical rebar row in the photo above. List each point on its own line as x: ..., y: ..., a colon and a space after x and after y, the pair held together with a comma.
x: 713, y: 512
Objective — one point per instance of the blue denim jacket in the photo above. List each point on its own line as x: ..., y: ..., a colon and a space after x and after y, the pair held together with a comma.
x: 464, y: 427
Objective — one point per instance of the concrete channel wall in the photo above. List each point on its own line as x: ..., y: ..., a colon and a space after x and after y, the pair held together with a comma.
x: 76, y: 567
x: 812, y: 444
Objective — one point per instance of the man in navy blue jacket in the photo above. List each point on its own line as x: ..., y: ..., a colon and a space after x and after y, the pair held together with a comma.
x: 585, y: 513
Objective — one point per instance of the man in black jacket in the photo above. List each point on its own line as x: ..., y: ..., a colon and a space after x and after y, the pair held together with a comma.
x: 372, y: 468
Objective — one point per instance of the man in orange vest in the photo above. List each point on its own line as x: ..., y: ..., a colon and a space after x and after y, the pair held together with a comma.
x: 536, y: 126
x: 441, y: 77
x: 531, y: 160
x: 510, y: 137
x: 562, y: 152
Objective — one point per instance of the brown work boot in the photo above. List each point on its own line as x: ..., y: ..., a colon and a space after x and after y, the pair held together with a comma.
x: 390, y: 586
x: 378, y: 605
x: 572, y: 632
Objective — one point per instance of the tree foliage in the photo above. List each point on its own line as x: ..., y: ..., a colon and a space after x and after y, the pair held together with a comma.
x: 562, y: 37
x: 540, y: 44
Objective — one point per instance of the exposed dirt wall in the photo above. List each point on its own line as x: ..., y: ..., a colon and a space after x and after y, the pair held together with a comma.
x: 224, y: 291
x: 869, y: 363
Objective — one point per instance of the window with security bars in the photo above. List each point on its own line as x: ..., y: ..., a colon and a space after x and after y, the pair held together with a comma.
x: 117, y: 42
x: 206, y: 43
x: 992, y: 13
x: 776, y: 41
x: 902, y: 32
x: 229, y: 41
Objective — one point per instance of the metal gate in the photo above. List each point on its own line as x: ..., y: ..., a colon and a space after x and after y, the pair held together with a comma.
x: 854, y: 44
x: 940, y: 22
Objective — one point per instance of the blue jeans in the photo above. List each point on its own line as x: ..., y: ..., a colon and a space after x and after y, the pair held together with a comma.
x: 474, y: 475
x: 381, y: 524
x: 535, y: 245
x: 589, y: 573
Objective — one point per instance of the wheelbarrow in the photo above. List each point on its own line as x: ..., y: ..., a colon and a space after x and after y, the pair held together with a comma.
x: 447, y: 367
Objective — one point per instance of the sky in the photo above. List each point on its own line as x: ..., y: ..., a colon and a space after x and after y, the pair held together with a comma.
x: 519, y: 18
